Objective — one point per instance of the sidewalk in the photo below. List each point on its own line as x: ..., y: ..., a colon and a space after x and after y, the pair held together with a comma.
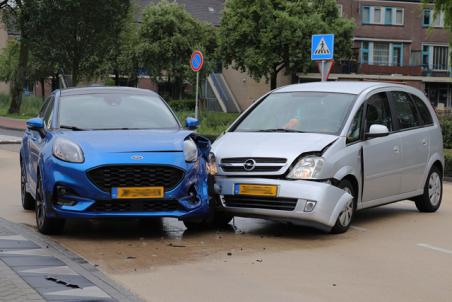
x: 33, y: 268
x: 11, y: 123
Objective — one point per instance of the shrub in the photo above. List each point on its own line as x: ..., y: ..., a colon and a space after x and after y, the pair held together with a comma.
x: 182, y: 105
x: 446, y: 127
x: 448, y: 160
x: 30, y: 106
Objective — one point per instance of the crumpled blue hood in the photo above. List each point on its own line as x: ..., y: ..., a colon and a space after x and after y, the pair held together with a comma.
x: 120, y: 141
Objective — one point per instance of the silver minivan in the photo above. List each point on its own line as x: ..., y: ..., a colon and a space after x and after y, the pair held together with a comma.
x: 313, y: 154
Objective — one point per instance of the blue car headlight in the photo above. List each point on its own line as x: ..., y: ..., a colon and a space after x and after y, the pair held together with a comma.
x: 190, y: 150
x: 68, y: 151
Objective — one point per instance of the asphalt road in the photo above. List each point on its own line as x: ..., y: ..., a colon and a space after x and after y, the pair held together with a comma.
x: 392, y: 253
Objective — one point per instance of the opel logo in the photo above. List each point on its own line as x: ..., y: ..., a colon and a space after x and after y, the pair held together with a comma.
x: 137, y: 157
x: 249, y: 165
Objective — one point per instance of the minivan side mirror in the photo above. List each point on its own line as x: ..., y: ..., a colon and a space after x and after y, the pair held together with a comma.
x: 191, y: 123
x: 377, y: 130
x: 36, y: 124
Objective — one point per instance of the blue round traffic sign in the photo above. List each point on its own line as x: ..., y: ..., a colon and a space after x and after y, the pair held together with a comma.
x: 197, y: 61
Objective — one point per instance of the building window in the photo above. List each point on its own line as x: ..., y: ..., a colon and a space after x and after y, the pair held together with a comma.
x: 366, y: 15
x: 364, y: 52
x: 381, y: 53
x: 429, y: 20
x: 435, y: 57
x: 382, y: 15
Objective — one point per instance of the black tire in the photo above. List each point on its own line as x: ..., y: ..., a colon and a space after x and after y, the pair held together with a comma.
x: 430, y: 201
x: 345, y: 218
x: 28, y: 202
x: 216, y: 219
x: 46, y: 225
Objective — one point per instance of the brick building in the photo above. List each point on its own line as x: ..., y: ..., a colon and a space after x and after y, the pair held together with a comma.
x: 398, y: 41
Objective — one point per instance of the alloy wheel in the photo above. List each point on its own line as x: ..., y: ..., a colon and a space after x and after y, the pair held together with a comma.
x: 40, y: 206
x: 346, y: 216
x: 434, y: 188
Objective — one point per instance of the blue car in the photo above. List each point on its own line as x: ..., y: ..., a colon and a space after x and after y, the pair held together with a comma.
x: 112, y: 153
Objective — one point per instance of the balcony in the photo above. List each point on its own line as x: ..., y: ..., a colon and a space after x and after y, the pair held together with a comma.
x: 349, y: 67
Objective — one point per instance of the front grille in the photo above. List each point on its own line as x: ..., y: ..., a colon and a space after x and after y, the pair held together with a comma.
x: 282, y: 204
x: 108, y: 177
x: 128, y: 206
x: 262, y: 164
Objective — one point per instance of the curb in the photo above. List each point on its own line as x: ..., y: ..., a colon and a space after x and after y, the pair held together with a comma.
x: 75, y: 262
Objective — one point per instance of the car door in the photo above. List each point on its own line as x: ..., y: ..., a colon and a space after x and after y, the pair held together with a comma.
x: 36, y: 141
x: 415, y: 141
x: 381, y: 155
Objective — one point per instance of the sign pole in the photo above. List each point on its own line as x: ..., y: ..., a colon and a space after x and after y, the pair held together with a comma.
x: 322, y: 71
x: 196, y: 63
x: 197, y: 96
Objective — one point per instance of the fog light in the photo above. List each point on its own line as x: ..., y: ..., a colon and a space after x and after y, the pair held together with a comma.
x: 66, y: 202
x: 64, y: 196
x: 309, y: 206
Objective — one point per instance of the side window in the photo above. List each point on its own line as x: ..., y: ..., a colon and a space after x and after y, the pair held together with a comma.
x: 378, y: 111
x: 48, y: 113
x: 354, y: 133
x: 406, y: 113
x: 423, y: 110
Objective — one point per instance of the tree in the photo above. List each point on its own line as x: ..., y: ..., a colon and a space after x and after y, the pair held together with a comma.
x: 264, y: 37
x: 77, y: 35
x: 168, y: 36
x: 446, y: 7
x: 18, y: 12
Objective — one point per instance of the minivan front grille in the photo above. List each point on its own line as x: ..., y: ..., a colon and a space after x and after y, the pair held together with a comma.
x: 281, y: 204
x: 117, y: 176
x: 252, y: 164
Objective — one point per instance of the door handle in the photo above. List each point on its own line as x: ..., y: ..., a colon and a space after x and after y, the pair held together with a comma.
x: 396, y: 149
x: 424, y: 142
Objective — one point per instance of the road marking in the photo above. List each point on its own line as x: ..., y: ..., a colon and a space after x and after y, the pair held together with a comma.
x: 358, y: 228
x: 435, y: 248
x: 30, y: 252
x: 13, y: 237
x: 87, y: 292
x: 54, y: 270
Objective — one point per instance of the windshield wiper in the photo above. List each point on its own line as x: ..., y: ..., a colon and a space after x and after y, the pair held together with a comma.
x: 73, y: 128
x: 281, y: 130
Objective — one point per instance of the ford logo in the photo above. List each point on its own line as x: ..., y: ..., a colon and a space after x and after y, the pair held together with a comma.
x: 249, y: 165
x: 137, y: 157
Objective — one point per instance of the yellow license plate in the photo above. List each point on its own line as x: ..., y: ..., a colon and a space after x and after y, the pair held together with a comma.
x: 258, y: 190
x: 138, y: 193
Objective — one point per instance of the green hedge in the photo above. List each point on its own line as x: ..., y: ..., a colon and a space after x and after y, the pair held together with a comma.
x: 446, y: 127
x: 29, y: 108
x: 182, y: 105
x: 448, y: 158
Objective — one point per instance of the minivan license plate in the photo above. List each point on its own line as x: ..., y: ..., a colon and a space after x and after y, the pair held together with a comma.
x: 257, y: 190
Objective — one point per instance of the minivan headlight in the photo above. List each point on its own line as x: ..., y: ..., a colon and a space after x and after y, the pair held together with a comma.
x: 308, y: 167
x: 67, y: 150
x: 190, y: 150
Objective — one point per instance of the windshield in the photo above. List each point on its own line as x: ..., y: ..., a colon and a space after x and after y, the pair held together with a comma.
x: 115, y: 111
x: 313, y: 112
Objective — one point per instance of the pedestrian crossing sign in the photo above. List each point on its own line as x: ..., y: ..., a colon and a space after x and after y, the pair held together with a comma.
x: 322, y: 47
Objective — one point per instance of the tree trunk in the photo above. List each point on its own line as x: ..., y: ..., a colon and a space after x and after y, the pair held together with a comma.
x: 17, y: 84
x: 116, y: 77
x: 43, y: 89
x: 273, y: 78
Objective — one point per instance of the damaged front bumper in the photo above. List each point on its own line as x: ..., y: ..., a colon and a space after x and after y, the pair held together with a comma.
x: 310, y: 203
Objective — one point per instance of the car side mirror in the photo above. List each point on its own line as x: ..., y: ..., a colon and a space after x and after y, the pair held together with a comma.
x: 36, y: 124
x: 191, y: 123
x: 377, y: 130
